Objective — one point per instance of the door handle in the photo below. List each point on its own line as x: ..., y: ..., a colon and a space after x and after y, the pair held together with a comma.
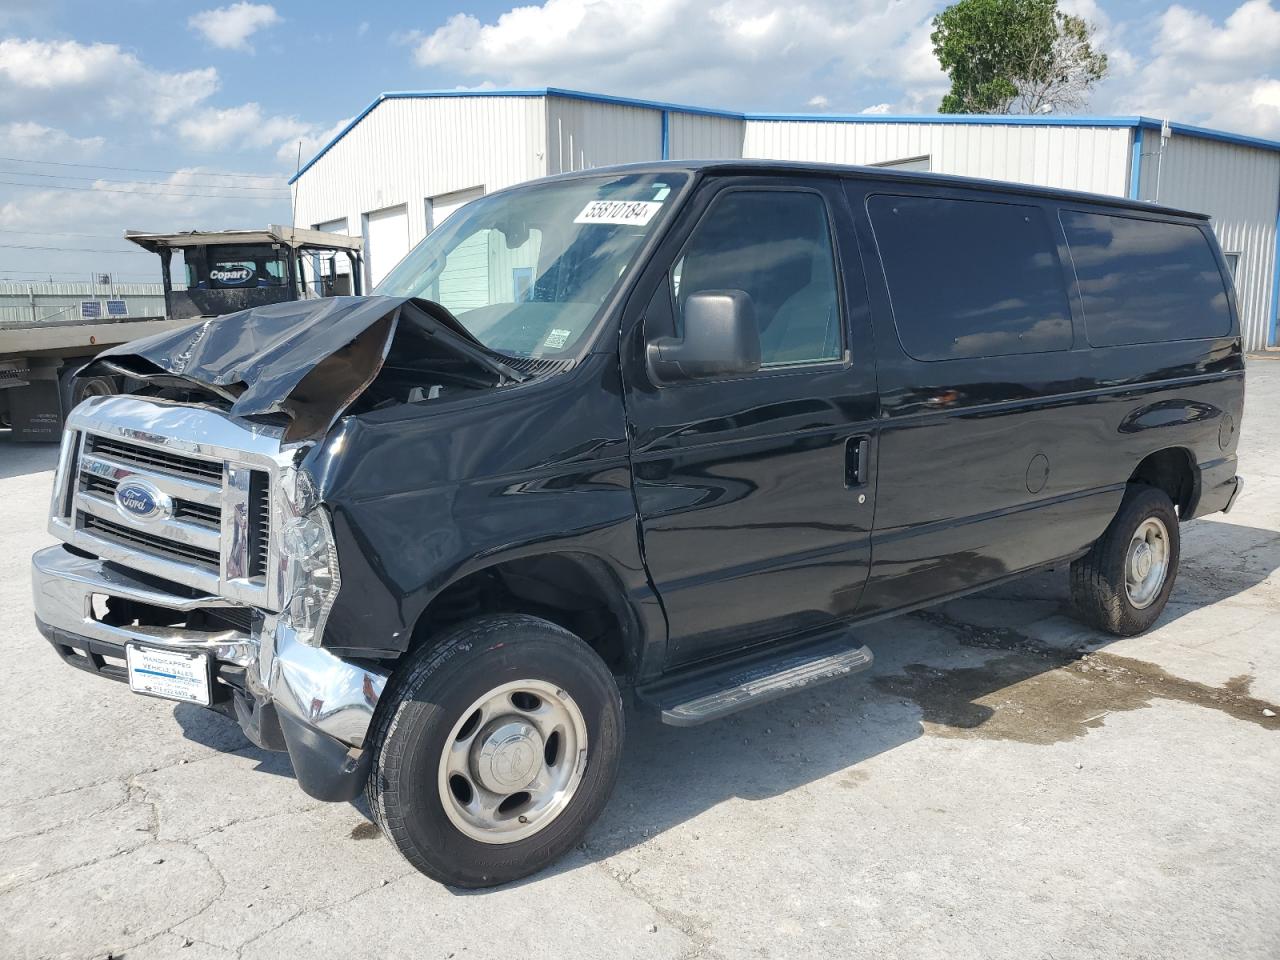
x: 855, y: 461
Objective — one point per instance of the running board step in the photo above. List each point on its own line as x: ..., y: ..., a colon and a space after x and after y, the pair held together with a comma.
x: 717, y: 691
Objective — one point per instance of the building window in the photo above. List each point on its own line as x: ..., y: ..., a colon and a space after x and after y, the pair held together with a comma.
x: 521, y: 281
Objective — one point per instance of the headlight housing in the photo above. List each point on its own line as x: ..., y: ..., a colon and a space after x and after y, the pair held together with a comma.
x: 309, y: 578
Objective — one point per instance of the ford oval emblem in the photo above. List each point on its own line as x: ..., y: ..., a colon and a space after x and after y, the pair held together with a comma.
x: 139, y: 500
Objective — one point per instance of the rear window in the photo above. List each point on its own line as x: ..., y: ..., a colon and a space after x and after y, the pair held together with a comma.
x: 970, y: 278
x: 1145, y: 281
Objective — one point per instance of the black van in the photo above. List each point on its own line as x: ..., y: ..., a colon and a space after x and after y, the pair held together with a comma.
x: 675, y: 428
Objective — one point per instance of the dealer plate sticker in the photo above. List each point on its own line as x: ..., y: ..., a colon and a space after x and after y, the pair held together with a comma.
x: 625, y: 212
x: 169, y: 674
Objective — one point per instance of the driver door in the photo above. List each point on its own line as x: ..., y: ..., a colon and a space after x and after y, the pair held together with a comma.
x: 756, y: 493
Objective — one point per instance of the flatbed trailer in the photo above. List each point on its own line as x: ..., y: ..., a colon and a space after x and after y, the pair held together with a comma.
x: 39, y: 359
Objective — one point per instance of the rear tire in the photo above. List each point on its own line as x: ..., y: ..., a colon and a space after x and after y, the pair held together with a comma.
x: 498, y: 748
x: 1123, y: 583
x: 85, y: 387
x: 75, y: 389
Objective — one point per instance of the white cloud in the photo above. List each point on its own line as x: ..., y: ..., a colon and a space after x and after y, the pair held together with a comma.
x: 1210, y: 73
x: 42, y: 78
x: 181, y: 201
x: 29, y: 140
x: 1249, y: 38
x: 238, y: 128
x: 231, y: 27
x: 1109, y: 36
x: 1220, y: 70
x: 879, y: 108
x: 312, y: 142
x: 744, y: 53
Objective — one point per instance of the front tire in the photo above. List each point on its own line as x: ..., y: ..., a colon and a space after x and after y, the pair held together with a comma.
x: 498, y: 748
x: 1123, y: 583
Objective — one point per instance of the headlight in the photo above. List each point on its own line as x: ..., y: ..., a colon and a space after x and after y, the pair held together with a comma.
x: 308, y: 560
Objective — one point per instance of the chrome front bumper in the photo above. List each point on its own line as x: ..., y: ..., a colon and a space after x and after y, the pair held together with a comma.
x: 285, y: 694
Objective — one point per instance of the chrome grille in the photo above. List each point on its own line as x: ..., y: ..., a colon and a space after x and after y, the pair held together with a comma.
x: 215, y: 478
x: 259, y: 522
x: 119, y: 533
x: 202, y: 513
x: 167, y: 461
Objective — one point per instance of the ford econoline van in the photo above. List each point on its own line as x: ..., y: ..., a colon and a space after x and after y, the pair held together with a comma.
x: 672, y: 429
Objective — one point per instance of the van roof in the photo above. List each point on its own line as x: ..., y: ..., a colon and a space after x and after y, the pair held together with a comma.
x: 795, y: 167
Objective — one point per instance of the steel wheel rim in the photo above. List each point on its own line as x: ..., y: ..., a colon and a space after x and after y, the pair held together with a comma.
x: 1146, y: 562
x: 96, y: 389
x: 513, y: 761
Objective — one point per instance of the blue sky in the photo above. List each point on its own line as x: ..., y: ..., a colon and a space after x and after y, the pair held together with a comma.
x: 201, y: 106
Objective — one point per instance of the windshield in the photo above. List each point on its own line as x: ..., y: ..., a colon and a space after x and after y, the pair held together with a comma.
x: 526, y: 271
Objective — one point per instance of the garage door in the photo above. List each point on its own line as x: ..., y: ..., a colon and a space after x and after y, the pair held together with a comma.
x: 386, y: 241
x: 465, y: 283
x: 440, y: 208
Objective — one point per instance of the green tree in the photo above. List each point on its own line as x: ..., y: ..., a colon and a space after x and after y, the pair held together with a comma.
x: 1015, y: 56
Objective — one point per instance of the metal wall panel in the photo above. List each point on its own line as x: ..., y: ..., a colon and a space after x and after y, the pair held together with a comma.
x: 697, y: 137
x: 406, y: 150
x: 583, y: 134
x: 1239, y: 187
x: 1076, y: 157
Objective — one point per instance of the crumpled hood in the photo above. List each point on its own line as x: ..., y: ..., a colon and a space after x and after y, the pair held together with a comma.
x: 308, y: 359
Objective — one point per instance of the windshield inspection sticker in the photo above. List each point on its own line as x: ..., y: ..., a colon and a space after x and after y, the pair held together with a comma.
x: 625, y: 212
x: 556, y: 339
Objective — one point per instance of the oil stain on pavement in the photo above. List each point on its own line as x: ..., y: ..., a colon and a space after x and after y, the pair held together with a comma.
x: 1038, y: 694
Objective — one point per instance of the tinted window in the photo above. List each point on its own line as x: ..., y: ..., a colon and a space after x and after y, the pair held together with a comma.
x: 775, y: 246
x: 1143, y: 281
x: 971, y: 279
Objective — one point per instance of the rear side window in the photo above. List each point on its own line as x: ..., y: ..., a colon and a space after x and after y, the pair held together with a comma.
x: 969, y: 278
x: 1145, y: 281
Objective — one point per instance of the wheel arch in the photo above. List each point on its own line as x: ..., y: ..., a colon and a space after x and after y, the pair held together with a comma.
x: 1173, y: 470
x: 575, y: 590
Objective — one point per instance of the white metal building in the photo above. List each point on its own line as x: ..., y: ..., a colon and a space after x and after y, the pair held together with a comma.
x: 410, y: 159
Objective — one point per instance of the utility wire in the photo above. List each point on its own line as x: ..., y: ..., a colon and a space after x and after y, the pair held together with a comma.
x: 142, y: 193
x: 65, y: 233
x: 150, y: 183
x: 28, y: 246
x: 102, y: 166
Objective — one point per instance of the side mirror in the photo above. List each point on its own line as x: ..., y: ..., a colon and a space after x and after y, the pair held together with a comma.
x: 720, y: 340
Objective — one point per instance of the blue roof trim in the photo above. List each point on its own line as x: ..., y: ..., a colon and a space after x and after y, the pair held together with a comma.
x: 647, y: 104
x: 959, y: 118
x: 1205, y: 133
x: 944, y: 118
x: 340, y: 134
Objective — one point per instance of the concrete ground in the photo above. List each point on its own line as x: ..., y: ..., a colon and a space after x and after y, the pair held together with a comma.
x: 1004, y: 783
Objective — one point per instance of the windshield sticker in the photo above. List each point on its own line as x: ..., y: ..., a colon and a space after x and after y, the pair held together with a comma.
x: 623, y: 212
x: 557, y: 339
